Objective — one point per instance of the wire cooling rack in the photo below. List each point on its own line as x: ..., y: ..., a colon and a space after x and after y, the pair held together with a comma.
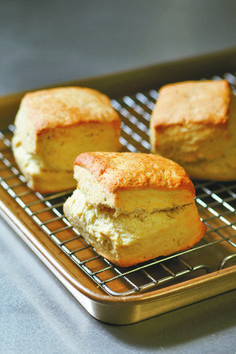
x: 216, y: 203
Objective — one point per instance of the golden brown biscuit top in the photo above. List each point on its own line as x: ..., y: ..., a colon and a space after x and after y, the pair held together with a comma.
x: 123, y: 171
x: 193, y: 102
x: 65, y: 106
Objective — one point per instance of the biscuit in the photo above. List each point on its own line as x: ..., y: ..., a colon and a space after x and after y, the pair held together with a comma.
x: 193, y: 123
x: 133, y: 207
x: 53, y: 126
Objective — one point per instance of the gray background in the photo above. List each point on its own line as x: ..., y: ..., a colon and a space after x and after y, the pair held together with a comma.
x: 48, y: 42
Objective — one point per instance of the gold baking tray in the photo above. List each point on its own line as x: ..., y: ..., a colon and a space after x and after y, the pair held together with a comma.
x: 109, y: 293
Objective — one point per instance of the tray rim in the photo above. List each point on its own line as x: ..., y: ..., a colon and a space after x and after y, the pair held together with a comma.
x: 98, y: 305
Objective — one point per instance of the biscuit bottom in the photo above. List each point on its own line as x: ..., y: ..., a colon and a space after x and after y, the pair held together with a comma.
x: 127, y: 238
x: 38, y: 177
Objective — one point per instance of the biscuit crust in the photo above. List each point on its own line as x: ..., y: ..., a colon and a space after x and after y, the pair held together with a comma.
x: 127, y: 170
x: 66, y: 106
x: 128, y: 180
x: 193, y: 102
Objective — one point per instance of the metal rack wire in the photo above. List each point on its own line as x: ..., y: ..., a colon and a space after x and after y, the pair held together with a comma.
x: 216, y: 203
